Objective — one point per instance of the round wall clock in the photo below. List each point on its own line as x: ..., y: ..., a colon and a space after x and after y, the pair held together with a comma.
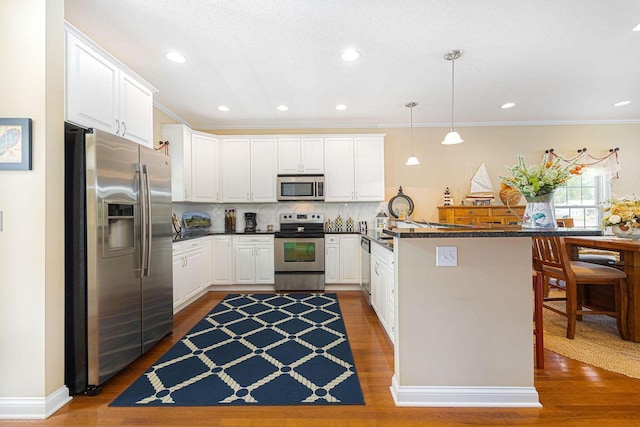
x: 400, y: 205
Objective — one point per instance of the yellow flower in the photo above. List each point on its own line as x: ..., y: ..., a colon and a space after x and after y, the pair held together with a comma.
x: 623, y: 212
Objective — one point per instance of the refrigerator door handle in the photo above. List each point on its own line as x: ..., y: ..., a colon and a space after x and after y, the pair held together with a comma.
x: 147, y: 223
x: 143, y: 220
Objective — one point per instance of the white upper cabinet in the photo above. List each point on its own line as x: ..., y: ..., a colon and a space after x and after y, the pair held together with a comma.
x: 102, y: 93
x: 194, y: 164
x: 300, y: 156
x: 339, y: 170
x: 369, y: 168
x: 264, y: 175
x: 179, y: 138
x: 91, y: 86
x: 354, y: 168
x: 136, y: 111
x: 204, y: 167
x: 249, y: 170
x: 236, y: 170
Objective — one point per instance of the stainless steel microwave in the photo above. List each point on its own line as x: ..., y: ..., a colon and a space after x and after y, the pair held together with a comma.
x: 300, y: 187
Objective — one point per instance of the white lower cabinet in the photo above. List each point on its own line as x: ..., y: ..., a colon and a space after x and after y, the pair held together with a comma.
x: 254, y: 259
x: 383, y: 288
x: 331, y: 258
x: 191, y: 270
x: 342, y: 258
x: 222, y: 271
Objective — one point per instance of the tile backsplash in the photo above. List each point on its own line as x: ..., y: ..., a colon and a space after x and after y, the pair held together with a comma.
x: 269, y: 213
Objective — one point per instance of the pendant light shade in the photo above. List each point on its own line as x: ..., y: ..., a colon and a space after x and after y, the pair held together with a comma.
x: 412, y: 160
x: 452, y: 137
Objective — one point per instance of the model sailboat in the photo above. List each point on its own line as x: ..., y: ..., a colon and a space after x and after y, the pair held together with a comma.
x: 481, y: 191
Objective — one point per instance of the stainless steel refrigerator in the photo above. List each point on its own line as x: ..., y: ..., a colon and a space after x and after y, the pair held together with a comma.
x: 118, y: 269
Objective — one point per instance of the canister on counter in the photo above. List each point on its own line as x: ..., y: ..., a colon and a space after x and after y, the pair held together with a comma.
x: 328, y: 226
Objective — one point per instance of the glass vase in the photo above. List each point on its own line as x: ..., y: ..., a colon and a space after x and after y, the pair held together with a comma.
x: 539, y: 213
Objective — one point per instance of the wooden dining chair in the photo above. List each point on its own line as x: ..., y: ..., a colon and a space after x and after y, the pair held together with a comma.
x: 565, y: 222
x: 551, y: 258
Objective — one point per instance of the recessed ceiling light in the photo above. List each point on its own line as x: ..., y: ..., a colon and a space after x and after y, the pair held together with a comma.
x: 636, y: 28
x: 176, y: 57
x: 508, y: 105
x: 223, y: 108
x: 282, y: 108
x: 350, y: 55
x: 621, y: 103
x: 341, y: 107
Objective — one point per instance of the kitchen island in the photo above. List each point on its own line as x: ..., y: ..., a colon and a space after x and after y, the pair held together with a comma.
x: 463, y: 333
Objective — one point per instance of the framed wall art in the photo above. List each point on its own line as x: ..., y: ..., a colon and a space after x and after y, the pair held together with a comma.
x: 15, y: 144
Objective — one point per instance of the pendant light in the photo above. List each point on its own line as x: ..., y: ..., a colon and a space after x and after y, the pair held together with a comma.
x: 452, y: 137
x: 412, y: 160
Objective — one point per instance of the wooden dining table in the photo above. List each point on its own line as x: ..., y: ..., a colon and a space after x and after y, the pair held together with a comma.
x: 629, y: 251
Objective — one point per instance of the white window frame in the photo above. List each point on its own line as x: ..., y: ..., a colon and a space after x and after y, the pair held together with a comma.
x: 585, y: 213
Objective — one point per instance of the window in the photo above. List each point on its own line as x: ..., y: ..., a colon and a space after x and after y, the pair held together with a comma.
x: 581, y: 199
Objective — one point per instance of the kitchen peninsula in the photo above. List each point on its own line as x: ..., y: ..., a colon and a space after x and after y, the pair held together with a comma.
x: 463, y: 333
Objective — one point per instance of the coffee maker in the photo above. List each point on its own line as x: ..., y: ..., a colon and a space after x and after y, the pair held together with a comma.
x: 250, y: 222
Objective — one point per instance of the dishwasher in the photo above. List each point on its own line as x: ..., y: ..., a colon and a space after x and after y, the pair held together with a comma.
x: 365, y: 277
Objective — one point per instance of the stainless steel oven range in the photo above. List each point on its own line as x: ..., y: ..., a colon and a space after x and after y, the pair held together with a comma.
x: 299, y: 253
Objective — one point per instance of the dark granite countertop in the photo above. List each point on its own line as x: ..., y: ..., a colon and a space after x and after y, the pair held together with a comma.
x: 195, y: 234
x: 342, y: 232
x: 489, y: 231
x: 381, y: 239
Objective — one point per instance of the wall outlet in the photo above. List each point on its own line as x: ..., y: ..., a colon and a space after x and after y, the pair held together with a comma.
x: 446, y: 256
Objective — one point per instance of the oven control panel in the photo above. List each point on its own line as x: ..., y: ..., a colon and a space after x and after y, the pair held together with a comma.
x: 287, y: 218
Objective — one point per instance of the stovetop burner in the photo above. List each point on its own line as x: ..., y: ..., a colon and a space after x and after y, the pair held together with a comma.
x: 301, y: 225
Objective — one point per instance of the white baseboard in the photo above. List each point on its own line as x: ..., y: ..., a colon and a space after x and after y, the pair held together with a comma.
x: 29, y: 408
x: 330, y: 287
x: 447, y: 396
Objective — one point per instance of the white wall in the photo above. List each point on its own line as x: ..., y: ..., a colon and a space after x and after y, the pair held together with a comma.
x: 453, y: 166
x: 32, y: 240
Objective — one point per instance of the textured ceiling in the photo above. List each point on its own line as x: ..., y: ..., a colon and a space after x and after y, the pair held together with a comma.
x: 560, y: 61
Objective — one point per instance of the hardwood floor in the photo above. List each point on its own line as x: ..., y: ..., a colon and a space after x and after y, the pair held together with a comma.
x: 571, y: 392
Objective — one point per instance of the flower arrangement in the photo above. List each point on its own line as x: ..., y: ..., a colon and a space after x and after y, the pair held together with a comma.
x: 544, y: 178
x: 625, y: 213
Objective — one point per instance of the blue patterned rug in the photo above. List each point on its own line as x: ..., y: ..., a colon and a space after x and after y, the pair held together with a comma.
x: 256, y: 349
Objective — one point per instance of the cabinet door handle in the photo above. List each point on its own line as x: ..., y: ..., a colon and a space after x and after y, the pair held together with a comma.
x: 124, y: 128
x: 117, y: 127
x: 247, y: 196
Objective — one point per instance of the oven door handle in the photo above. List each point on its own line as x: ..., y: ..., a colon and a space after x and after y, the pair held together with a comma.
x: 318, y: 235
